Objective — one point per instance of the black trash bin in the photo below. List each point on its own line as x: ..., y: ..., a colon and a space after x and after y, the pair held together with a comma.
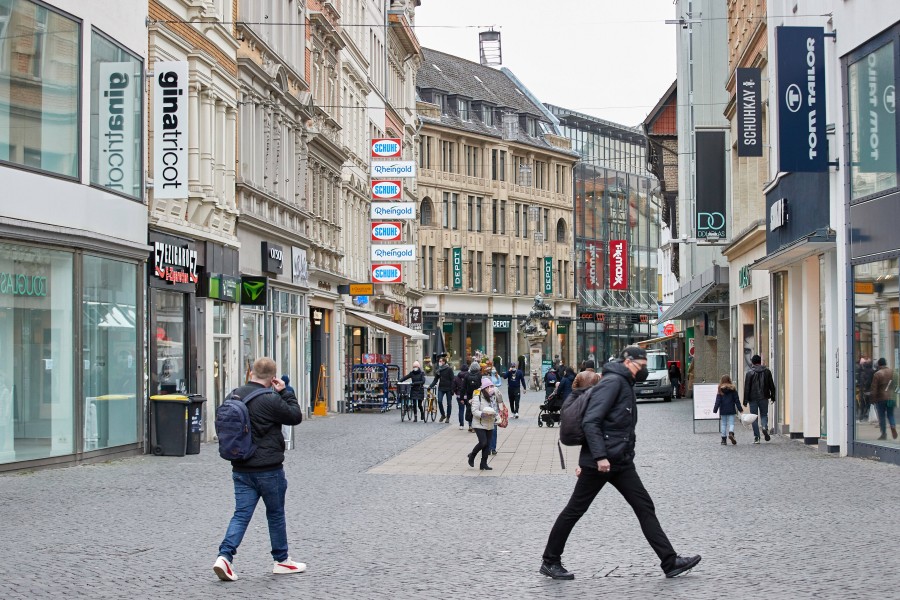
x: 195, y: 423
x: 169, y: 424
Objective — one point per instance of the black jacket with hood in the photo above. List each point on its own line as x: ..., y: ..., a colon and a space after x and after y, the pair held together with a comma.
x: 443, y: 378
x: 610, y: 419
x: 759, y: 385
x: 268, y: 412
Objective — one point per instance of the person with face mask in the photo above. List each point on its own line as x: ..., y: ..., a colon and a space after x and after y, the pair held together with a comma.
x: 607, y: 456
x: 417, y: 389
x: 443, y: 379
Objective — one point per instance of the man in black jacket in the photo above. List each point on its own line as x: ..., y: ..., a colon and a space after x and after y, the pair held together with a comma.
x: 607, y: 456
x: 443, y: 379
x: 262, y: 475
x: 759, y: 387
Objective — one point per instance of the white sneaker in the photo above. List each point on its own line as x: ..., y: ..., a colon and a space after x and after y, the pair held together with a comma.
x: 517, y: 415
x: 223, y: 569
x: 288, y: 566
x: 461, y: 427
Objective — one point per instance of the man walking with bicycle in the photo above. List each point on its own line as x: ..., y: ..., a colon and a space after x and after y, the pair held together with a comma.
x: 443, y: 379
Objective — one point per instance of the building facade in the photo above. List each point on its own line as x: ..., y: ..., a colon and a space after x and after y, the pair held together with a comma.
x: 73, y: 231
x: 192, y: 301
x: 618, y: 209
x: 495, y: 213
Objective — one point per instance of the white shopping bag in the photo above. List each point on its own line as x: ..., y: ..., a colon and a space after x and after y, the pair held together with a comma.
x: 747, y: 419
x: 873, y: 414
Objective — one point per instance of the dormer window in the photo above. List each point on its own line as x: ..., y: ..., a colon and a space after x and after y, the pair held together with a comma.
x: 462, y: 109
x: 487, y: 115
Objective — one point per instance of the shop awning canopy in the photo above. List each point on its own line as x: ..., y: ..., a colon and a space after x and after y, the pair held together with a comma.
x: 817, y: 242
x: 693, y: 295
x: 372, y: 320
x: 659, y: 340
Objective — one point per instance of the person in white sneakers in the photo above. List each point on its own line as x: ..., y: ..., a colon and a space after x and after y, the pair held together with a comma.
x: 262, y: 475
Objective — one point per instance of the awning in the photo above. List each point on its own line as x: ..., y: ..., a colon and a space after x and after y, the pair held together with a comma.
x: 686, y: 303
x: 817, y: 242
x: 374, y: 321
x: 658, y: 340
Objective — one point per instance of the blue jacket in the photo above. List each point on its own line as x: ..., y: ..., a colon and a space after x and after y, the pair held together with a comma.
x: 565, y: 387
x: 729, y: 403
x: 515, y: 378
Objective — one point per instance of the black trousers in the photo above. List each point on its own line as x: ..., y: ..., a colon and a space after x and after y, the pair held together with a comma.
x: 629, y: 484
x: 484, y: 444
x: 514, y: 395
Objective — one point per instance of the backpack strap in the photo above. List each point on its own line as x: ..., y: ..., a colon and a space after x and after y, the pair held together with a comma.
x: 252, y: 395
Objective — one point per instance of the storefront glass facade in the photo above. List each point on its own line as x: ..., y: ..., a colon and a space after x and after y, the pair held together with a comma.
x: 49, y: 407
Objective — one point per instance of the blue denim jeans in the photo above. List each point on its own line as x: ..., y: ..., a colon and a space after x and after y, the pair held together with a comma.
x: 443, y: 395
x: 726, y: 424
x: 271, y: 486
x: 762, y: 409
x: 493, y: 445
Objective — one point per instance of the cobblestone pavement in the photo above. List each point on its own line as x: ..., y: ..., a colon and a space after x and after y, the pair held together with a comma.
x: 779, y: 520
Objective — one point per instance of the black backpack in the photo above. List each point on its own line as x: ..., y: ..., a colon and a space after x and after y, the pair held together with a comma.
x: 233, y: 426
x: 571, y: 415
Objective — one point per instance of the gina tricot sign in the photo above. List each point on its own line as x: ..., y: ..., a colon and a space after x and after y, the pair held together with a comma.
x: 170, y: 120
x: 117, y: 126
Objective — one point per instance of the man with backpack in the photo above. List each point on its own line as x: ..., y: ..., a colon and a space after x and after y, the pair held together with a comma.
x: 607, y: 456
x: 252, y: 439
x: 759, y: 387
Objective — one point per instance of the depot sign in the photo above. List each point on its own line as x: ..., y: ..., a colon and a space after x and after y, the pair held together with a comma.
x: 386, y: 148
x: 387, y: 273
x: 386, y: 189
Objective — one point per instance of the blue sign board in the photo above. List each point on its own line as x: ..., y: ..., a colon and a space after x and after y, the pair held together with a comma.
x: 802, y: 145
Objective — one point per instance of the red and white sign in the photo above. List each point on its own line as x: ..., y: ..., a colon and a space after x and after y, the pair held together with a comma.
x: 387, y: 274
x: 386, y: 232
x: 618, y: 264
x: 669, y: 330
x: 593, y: 265
x: 386, y: 148
x: 386, y: 189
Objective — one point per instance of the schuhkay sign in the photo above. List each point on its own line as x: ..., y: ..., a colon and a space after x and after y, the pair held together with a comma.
x: 618, y: 265
x: 802, y: 146
x: 170, y: 123
x: 749, y: 103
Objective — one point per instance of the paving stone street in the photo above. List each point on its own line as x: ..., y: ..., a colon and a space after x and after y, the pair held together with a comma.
x: 384, y: 509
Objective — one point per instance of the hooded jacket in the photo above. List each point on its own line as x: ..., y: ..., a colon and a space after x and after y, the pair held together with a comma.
x: 268, y: 413
x: 515, y: 376
x: 881, y: 384
x: 417, y: 389
x: 459, y: 384
x: 727, y: 401
x: 443, y: 378
x: 610, y: 419
x: 473, y: 380
x: 758, y: 385
x: 481, y: 401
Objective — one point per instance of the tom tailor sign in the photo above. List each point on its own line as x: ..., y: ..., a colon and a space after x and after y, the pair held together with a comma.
x: 749, y: 104
x: 618, y: 265
x: 876, y: 102
x: 802, y: 146
x: 170, y: 122
x: 117, y: 126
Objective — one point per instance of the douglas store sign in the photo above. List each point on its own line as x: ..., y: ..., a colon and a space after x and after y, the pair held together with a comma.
x: 802, y: 146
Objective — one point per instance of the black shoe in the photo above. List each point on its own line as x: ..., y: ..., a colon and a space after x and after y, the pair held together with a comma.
x: 683, y: 564
x: 724, y: 443
x: 486, y: 468
x: 883, y: 436
x: 556, y: 571
x: 493, y: 452
x: 471, y: 458
x: 731, y: 437
x: 766, y: 435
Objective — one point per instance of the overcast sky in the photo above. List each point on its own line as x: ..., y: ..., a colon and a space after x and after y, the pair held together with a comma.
x: 608, y: 58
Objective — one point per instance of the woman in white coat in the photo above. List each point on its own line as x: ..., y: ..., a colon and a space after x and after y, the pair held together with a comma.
x: 484, y: 411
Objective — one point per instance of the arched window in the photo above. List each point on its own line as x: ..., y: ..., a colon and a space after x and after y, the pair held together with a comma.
x: 426, y: 212
x: 561, y: 230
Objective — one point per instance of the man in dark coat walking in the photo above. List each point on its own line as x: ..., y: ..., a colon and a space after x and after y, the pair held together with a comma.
x: 443, y: 379
x: 607, y: 456
x: 262, y: 475
x: 759, y: 388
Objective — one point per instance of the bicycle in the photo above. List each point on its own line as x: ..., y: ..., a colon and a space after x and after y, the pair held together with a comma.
x: 430, y: 406
x: 407, y: 406
x: 535, y: 380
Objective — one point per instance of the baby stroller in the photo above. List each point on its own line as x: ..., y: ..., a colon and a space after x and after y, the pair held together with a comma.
x: 549, y: 411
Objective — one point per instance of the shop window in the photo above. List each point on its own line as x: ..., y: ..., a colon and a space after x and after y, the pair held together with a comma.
x: 873, y: 123
x: 876, y: 339
x: 116, y: 118
x: 36, y: 335
x: 39, y: 65
x: 171, y: 341
x: 110, y: 340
